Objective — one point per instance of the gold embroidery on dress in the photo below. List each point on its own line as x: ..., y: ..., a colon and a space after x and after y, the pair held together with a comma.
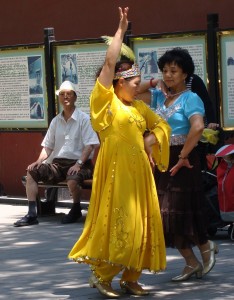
x: 137, y: 118
x: 119, y: 236
x: 109, y: 112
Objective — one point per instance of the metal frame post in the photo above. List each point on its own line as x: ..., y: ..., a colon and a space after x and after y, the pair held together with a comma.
x: 48, y: 39
x: 212, y: 27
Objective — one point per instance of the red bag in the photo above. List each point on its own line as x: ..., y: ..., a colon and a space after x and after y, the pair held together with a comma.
x: 211, y: 161
x: 225, y: 178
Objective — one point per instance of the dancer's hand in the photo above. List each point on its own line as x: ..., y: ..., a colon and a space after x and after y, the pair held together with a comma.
x: 181, y: 163
x: 123, y: 14
x: 149, y: 141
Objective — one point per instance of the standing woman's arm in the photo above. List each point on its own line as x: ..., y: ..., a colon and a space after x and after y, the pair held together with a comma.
x: 107, y: 73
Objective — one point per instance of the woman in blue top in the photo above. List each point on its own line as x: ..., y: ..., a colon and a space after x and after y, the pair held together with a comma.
x: 180, y: 188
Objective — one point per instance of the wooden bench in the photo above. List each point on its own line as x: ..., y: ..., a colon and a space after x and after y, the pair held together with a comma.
x: 47, y: 205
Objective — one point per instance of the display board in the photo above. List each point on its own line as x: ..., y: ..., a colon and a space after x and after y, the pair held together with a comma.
x: 23, y: 95
x: 148, y: 50
x: 226, y: 78
x: 78, y: 62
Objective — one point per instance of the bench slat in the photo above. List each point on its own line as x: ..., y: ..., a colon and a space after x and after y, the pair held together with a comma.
x: 87, y: 184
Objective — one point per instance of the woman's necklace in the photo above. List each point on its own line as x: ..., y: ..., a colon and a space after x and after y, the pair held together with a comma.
x: 169, y: 95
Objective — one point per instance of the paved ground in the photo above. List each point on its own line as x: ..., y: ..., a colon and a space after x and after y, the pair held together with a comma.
x: 34, y: 265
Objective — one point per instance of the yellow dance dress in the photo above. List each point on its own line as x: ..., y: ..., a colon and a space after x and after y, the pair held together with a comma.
x: 123, y: 225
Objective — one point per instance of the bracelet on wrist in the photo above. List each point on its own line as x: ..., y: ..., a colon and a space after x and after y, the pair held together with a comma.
x: 182, y: 157
x: 151, y: 83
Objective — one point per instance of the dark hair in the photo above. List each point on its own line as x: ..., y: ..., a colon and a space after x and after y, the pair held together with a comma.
x: 123, y: 64
x: 180, y: 57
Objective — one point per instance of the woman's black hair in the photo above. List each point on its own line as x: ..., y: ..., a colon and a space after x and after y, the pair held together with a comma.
x: 180, y: 57
x: 123, y: 64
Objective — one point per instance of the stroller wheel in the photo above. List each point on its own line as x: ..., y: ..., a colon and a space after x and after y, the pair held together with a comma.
x: 212, y: 231
x: 231, y: 231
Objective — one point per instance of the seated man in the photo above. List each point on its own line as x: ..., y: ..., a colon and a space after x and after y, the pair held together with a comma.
x: 69, y: 144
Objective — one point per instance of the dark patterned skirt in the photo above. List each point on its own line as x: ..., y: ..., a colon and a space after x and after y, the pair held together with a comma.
x: 182, y: 201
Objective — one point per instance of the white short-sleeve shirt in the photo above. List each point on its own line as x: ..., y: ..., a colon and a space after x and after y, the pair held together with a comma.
x: 67, y: 139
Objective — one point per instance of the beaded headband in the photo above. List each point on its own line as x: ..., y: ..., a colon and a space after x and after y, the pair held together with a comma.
x: 134, y: 71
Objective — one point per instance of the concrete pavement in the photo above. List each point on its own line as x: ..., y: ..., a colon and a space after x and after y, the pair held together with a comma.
x: 34, y: 265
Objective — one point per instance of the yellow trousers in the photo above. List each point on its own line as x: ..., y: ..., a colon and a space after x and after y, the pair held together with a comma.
x: 107, y: 272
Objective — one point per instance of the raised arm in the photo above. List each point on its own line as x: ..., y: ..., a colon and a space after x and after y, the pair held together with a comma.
x: 144, y: 92
x: 107, y: 73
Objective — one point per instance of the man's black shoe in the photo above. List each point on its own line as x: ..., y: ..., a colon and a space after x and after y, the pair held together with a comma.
x: 71, y: 217
x: 26, y: 221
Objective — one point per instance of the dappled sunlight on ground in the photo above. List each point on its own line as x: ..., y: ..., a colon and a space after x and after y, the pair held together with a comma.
x: 34, y: 265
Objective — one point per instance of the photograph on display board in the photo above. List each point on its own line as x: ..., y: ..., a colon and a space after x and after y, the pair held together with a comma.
x: 148, y: 63
x: 36, y: 108
x: 35, y: 75
x: 69, y: 68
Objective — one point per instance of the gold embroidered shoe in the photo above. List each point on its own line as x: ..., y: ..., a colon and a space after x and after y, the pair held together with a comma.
x: 103, y: 287
x: 133, y: 288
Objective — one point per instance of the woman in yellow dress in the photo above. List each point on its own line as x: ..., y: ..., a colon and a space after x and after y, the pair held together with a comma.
x: 123, y: 229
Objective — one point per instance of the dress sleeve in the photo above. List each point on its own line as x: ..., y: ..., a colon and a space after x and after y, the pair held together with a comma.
x: 193, y: 106
x: 102, y: 106
x: 154, y: 94
x: 49, y: 139
x: 162, y: 131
